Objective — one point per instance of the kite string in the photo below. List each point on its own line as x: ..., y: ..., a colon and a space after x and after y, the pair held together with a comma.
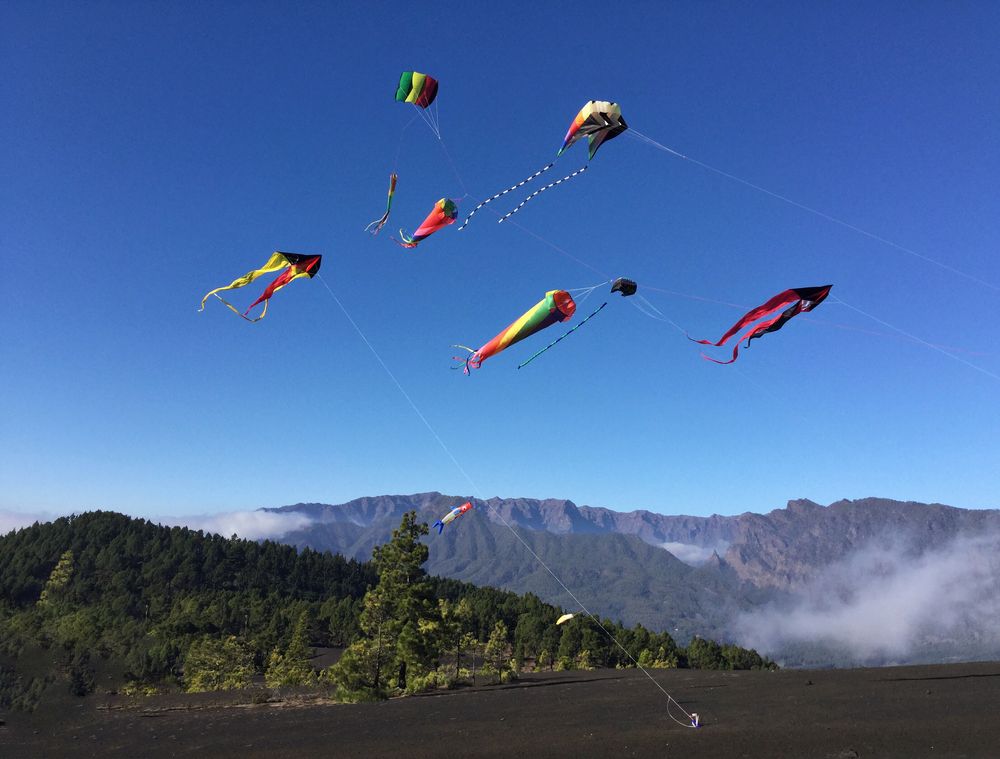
x: 648, y: 309
x: 399, y: 144
x: 656, y: 313
x: 809, y: 209
x: 454, y: 169
x: 916, y: 339
x: 580, y: 294
x: 659, y: 315
x: 429, y: 119
x: 493, y: 510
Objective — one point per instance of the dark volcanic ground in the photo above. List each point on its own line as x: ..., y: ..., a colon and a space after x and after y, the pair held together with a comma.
x: 939, y: 710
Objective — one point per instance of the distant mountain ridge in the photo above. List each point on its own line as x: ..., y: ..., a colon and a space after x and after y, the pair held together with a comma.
x: 690, y: 575
x: 780, y: 549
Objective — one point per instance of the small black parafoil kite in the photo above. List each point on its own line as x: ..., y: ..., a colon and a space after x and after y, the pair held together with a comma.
x: 624, y: 286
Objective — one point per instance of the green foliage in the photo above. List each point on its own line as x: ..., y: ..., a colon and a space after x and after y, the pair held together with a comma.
x: 705, y: 654
x: 362, y: 672
x: 171, y: 607
x: 400, y: 619
x: 58, y: 579
x: 497, y: 646
x: 291, y: 667
x: 140, y: 595
x: 81, y: 675
x: 20, y: 692
x: 217, y: 664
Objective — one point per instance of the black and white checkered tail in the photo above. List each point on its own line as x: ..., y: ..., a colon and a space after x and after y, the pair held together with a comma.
x: 504, y: 192
x: 539, y: 191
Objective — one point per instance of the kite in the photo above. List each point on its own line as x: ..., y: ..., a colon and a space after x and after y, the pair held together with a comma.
x: 556, y: 306
x: 444, y: 213
x: 295, y: 265
x: 802, y: 299
x: 376, y: 226
x: 420, y: 90
x: 624, y: 286
x: 621, y: 285
x: 452, y: 515
x: 598, y: 121
x: 565, y: 618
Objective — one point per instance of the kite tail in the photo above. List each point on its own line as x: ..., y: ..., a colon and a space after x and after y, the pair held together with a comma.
x: 406, y: 241
x: 236, y: 311
x: 736, y: 353
x: 256, y: 319
x: 470, y: 361
x: 376, y: 226
x: 539, y: 191
x: 566, y: 334
x: 696, y: 340
x: 440, y: 526
x: 504, y: 192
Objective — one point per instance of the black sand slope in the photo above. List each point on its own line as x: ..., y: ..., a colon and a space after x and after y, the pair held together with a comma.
x: 928, y: 711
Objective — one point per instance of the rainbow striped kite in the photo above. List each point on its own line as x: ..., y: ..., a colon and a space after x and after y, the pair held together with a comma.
x: 556, y: 306
x: 444, y: 213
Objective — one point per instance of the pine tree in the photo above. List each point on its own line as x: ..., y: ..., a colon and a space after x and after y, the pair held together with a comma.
x: 58, y: 579
x: 400, y: 619
x: 217, y: 664
x: 292, y: 667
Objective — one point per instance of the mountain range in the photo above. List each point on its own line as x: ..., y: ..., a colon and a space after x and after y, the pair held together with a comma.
x: 734, y: 577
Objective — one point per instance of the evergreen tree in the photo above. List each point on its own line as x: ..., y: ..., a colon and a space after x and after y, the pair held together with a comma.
x: 569, y: 646
x: 400, y: 618
x: 217, y: 664
x: 58, y: 579
x: 496, y: 647
x: 705, y: 654
x: 292, y: 667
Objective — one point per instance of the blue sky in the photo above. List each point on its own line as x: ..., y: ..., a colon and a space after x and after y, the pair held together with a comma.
x: 153, y: 151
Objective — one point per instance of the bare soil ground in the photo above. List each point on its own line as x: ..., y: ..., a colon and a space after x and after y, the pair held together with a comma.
x: 928, y: 711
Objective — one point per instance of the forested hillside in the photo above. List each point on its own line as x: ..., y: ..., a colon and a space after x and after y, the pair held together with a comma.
x: 102, y: 600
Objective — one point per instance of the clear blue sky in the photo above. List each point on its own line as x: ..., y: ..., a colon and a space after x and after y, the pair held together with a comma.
x: 153, y: 151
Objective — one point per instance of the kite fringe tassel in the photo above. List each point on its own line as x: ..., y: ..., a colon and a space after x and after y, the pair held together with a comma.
x: 565, y: 334
x: 377, y: 224
x: 405, y: 241
x: 539, y: 191
x: 380, y: 222
x: 236, y: 311
x: 467, y: 362
x: 504, y: 192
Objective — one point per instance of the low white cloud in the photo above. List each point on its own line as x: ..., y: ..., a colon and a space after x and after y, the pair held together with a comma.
x: 886, y: 601
x: 694, y: 554
x: 252, y: 525
x: 15, y: 520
